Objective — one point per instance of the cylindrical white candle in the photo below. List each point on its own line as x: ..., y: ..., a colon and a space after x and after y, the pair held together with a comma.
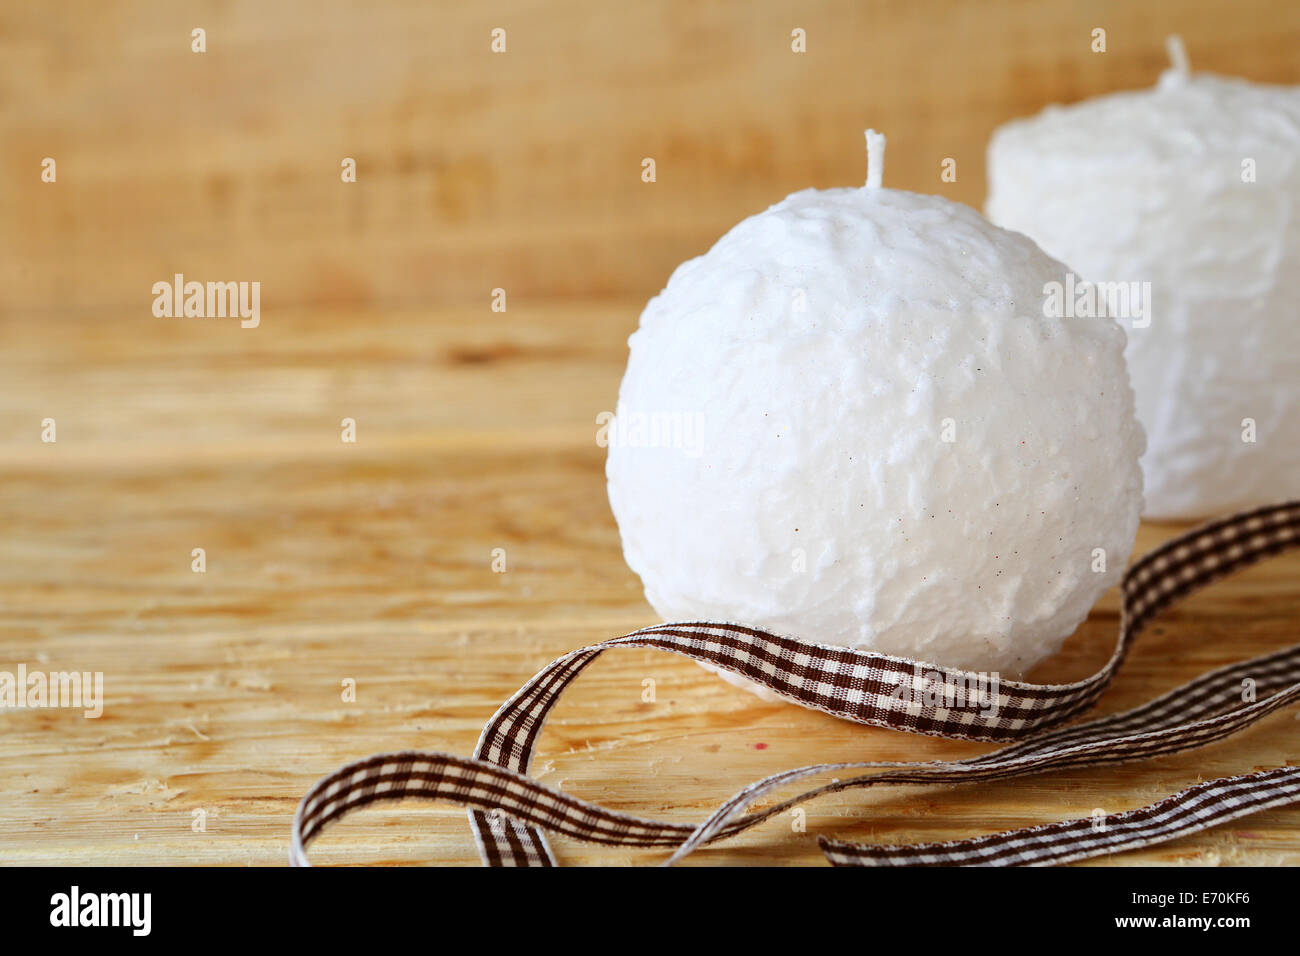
x: 1194, y: 188
x: 850, y: 421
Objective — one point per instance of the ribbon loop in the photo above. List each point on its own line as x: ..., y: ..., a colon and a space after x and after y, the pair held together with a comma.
x: 509, y: 810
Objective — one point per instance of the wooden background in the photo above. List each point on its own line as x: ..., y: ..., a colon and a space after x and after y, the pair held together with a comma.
x: 371, y: 561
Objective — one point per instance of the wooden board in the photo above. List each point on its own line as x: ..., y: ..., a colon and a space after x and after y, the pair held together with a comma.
x: 523, y: 169
x: 372, y: 562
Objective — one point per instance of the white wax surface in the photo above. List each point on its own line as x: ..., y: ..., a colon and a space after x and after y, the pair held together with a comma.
x: 1147, y: 186
x: 821, y: 498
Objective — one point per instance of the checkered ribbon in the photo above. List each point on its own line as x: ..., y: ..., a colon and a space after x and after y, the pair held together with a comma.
x: 509, y: 810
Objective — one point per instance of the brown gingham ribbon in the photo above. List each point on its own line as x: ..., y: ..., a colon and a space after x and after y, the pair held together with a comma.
x: 508, y: 810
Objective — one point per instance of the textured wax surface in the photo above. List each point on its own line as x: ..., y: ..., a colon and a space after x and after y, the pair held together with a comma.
x: 1147, y: 186
x: 823, y: 346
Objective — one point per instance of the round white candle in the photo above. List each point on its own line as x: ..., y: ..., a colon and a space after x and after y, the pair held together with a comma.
x: 850, y: 422
x: 1193, y: 187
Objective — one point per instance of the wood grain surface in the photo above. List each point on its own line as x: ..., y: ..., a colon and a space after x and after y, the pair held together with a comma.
x: 519, y: 170
x: 328, y: 561
x: 371, y: 561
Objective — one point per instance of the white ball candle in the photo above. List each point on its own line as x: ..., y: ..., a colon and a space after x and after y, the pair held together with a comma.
x: 850, y: 422
x: 1191, y: 190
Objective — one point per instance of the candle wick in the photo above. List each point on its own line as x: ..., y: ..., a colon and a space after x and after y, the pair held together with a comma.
x: 875, y: 159
x: 1178, y: 55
